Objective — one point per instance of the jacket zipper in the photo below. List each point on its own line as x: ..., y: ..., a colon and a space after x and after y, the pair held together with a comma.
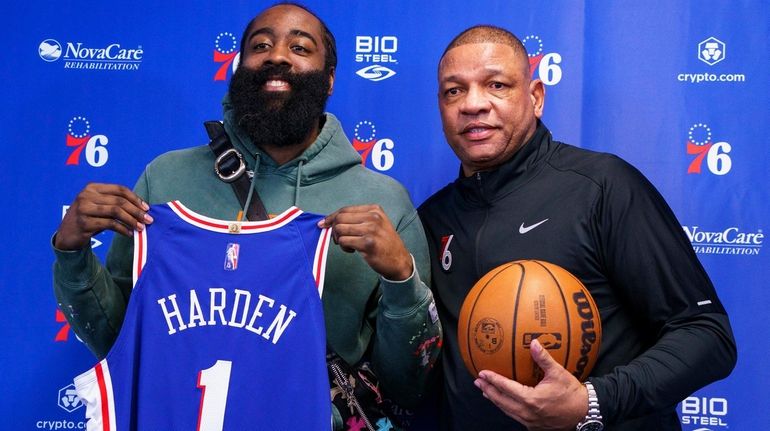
x: 481, y: 228
x: 339, y: 377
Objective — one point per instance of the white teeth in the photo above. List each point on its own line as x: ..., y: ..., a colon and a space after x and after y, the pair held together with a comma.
x: 276, y: 83
x: 477, y: 130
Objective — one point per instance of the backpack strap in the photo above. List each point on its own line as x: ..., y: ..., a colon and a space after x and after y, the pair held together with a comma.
x: 230, y: 168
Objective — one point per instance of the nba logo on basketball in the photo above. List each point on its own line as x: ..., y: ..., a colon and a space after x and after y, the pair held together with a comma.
x: 231, y: 256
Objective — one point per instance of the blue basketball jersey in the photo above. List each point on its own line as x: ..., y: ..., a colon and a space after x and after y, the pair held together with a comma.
x: 224, y: 329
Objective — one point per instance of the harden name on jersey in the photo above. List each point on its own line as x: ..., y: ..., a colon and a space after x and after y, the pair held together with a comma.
x: 228, y: 309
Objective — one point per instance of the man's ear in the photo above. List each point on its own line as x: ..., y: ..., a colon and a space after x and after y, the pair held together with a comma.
x: 331, y: 81
x: 537, y: 95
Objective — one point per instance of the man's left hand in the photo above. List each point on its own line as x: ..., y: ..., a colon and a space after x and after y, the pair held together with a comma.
x: 367, y: 230
x: 558, y: 402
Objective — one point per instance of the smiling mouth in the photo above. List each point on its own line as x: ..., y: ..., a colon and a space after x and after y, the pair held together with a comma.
x: 277, y: 85
x: 477, y: 131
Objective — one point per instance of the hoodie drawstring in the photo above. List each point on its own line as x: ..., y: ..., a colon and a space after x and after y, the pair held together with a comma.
x: 253, y: 184
x: 296, y: 186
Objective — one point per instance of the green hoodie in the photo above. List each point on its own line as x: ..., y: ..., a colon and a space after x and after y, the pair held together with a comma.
x: 362, y: 310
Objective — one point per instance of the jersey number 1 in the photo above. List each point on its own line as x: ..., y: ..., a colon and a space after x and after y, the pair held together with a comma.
x: 214, y: 383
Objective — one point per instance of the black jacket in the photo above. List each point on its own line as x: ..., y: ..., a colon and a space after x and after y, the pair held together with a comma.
x: 665, y: 332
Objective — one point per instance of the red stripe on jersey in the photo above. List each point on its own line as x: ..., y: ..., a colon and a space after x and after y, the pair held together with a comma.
x: 256, y: 225
x: 321, y: 257
x: 274, y: 221
x: 139, y: 257
x: 203, y: 395
x: 103, y: 394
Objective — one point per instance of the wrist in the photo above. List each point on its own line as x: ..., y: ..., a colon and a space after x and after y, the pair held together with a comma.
x: 405, y: 273
x: 593, y: 418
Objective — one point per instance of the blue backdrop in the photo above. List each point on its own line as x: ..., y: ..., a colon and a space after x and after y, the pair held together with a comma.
x: 94, y: 90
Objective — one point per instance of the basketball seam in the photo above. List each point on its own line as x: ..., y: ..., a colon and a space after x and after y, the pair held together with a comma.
x: 473, y: 308
x: 514, y: 339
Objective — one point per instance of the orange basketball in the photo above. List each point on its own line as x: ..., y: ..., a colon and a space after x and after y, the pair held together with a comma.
x: 524, y: 300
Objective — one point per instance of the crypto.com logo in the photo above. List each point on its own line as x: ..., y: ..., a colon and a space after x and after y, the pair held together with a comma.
x: 225, y: 52
x: 366, y: 143
x: 78, y: 137
x: 716, y: 154
x: 546, y: 65
x: 711, y: 51
x: 68, y: 399
x: 376, y: 49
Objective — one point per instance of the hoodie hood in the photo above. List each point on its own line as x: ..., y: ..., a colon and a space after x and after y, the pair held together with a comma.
x: 329, y: 154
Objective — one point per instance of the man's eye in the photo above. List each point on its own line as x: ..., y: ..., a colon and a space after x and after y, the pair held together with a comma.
x: 497, y: 85
x: 261, y: 46
x: 299, y: 48
x: 452, y: 92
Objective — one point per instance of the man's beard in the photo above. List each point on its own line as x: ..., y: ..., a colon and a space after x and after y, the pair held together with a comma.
x: 278, y: 118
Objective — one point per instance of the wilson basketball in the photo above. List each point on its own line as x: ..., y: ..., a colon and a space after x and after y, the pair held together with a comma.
x: 524, y: 300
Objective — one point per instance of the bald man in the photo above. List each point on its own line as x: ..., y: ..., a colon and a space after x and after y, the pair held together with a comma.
x: 522, y: 195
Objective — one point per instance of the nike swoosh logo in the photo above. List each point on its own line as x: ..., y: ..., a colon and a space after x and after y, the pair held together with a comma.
x: 523, y: 230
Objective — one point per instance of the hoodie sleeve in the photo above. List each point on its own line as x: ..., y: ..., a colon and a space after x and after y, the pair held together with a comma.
x: 408, y: 337
x: 94, y: 297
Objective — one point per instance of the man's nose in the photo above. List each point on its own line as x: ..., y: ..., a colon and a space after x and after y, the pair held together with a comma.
x: 475, y: 101
x: 278, y: 54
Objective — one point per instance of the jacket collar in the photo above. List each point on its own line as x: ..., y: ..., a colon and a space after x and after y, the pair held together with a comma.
x: 484, y: 187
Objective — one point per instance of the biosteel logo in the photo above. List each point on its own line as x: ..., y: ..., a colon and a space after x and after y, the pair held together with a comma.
x: 546, y: 65
x: 704, y: 412
x: 377, y: 50
x: 79, y: 55
x: 226, y: 53
x: 731, y: 240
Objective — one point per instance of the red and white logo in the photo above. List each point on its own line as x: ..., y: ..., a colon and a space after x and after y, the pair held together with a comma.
x: 80, y: 139
x: 546, y: 65
x: 64, y: 332
x: 446, y: 255
x: 716, y: 154
x: 226, y: 53
x: 366, y: 143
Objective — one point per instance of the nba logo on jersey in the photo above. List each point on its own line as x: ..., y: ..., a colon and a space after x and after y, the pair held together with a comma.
x: 231, y: 256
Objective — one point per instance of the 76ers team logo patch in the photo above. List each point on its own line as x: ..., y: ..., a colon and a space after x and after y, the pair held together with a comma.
x: 231, y: 256
x: 446, y: 255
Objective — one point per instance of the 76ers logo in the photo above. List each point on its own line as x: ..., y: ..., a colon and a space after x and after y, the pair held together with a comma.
x: 446, y: 255
x: 95, y: 147
x: 366, y: 143
x: 225, y: 52
x: 716, y: 154
x: 546, y: 65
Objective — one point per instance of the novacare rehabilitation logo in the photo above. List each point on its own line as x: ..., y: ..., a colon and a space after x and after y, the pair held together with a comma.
x: 79, y: 55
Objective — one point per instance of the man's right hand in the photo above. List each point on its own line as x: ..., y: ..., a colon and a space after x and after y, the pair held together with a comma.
x: 99, y: 207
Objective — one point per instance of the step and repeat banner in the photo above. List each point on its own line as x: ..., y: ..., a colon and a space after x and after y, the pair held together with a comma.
x: 92, y: 91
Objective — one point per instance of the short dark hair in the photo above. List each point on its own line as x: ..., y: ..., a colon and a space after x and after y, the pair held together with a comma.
x: 487, y: 34
x: 330, y: 44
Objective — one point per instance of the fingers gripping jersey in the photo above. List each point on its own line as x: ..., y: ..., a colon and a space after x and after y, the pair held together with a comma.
x: 223, y: 330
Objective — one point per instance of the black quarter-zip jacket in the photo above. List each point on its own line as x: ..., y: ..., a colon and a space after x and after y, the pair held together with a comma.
x: 665, y: 332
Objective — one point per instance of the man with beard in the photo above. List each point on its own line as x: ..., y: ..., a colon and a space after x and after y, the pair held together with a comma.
x: 375, y: 298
